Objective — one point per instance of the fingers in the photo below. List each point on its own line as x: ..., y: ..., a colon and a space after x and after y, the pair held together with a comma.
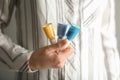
x: 58, y: 46
x: 59, y: 59
x: 59, y: 64
x: 62, y: 44
x: 66, y: 52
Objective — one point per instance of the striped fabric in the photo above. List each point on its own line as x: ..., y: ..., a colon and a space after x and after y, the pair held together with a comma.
x: 95, y: 55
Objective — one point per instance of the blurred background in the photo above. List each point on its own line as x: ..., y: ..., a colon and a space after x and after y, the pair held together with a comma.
x: 10, y: 75
x: 117, y: 8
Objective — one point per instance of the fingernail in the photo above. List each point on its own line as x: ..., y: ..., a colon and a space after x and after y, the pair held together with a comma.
x: 65, y: 41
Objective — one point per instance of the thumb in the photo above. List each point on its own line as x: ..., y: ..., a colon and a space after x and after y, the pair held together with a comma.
x: 58, y: 46
x: 62, y: 44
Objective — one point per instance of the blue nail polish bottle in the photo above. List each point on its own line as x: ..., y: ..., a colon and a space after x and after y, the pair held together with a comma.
x: 72, y: 32
x: 62, y: 28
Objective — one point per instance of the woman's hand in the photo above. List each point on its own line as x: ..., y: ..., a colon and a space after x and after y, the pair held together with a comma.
x: 52, y: 56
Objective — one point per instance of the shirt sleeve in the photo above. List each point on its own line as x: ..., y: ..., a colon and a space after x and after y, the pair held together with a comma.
x: 109, y: 42
x: 12, y: 56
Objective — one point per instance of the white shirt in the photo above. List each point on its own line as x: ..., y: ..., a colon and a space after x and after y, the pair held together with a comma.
x: 95, y: 56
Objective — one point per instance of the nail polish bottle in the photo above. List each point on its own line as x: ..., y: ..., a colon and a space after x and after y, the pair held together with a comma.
x: 61, y: 31
x: 72, y: 32
x: 50, y: 33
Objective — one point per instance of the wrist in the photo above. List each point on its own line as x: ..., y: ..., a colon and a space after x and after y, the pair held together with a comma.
x: 32, y: 62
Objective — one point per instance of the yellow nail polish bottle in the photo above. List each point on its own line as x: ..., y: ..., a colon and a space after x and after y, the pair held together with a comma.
x: 50, y: 33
